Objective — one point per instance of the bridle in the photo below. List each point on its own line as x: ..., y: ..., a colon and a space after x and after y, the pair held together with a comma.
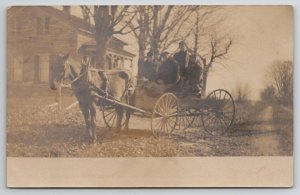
x: 67, y: 66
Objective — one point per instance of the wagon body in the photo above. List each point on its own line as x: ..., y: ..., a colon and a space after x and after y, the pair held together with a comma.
x: 169, y: 111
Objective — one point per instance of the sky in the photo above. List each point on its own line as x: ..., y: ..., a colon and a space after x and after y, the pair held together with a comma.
x: 261, y: 35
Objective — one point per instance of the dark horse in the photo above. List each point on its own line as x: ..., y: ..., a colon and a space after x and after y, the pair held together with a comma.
x: 86, y: 84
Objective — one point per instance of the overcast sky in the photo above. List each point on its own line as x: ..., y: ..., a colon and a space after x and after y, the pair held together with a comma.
x: 262, y: 34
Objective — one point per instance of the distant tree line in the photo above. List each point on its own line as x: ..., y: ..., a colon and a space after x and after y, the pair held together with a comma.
x: 280, y: 89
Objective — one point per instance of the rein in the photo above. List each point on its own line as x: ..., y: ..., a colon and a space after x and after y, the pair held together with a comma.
x: 79, y: 76
x: 76, y: 78
x: 105, y: 92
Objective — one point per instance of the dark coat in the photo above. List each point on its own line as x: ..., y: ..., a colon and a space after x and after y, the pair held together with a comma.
x: 193, y: 73
x: 169, y: 71
x: 182, y: 58
x: 149, y: 71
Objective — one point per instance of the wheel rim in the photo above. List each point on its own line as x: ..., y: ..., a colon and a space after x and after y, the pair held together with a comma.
x: 164, y: 115
x: 110, y: 116
x: 219, y: 113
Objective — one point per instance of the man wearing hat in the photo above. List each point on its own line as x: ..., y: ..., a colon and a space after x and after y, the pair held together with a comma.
x: 182, y: 58
x: 149, y: 68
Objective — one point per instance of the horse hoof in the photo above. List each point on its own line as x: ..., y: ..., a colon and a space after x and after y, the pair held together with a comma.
x: 90, y: 133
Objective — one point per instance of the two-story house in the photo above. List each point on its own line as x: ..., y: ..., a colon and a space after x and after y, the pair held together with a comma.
x: 36, y: 34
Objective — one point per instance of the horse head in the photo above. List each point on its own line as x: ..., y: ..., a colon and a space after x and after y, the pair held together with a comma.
x: 65, y: 68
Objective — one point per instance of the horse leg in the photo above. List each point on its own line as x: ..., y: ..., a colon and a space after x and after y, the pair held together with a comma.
x: 93, y: 112
x: 86, y: 114
x: 119, y: 111
x: 128, y: 114
x: 128, y: 111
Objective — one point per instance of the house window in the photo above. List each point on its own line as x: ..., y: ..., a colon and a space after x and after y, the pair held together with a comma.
x: 43, y: 25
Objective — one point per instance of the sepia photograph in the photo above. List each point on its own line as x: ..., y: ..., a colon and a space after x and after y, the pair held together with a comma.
x: 107, y: 82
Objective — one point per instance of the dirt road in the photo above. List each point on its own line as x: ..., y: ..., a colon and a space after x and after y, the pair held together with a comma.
x: 266, y: 140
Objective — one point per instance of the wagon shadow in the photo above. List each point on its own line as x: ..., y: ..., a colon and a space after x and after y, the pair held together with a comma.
x: 250, y: 132
x: 193, y: 136
x: 257, y: 128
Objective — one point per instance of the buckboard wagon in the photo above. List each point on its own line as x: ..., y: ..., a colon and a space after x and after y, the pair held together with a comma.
x: 169, y: 110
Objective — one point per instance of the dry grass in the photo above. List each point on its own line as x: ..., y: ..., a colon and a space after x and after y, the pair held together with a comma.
x: 35, y: 130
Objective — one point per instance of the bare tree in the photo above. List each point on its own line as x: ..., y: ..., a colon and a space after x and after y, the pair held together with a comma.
x: 141, y: 31
x: 281, y: 74
x: 242, y: 93
x: 268, y: 95
x: 168, y: 26
x: 105, y: 21
x: 209, y: 40
x: 219, y: 48
x: 158, y: 27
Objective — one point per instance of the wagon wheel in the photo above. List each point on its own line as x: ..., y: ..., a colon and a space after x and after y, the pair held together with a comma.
x: 219, y: 112
x: 185, y: 119
x: 110, y: 116
x: 197, y: 122
x: 164, y: 115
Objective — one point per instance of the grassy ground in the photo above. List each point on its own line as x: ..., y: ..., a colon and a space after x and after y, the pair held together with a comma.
x: 36, y: 130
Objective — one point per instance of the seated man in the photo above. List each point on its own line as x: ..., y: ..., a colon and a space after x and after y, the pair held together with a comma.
x: 193, y: 73
x: 168, y: 71
x: 168, y: 76
x: 149, y: 68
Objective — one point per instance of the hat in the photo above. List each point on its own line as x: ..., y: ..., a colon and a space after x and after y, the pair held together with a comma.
x: 149, y: 54
x: 181, y: 43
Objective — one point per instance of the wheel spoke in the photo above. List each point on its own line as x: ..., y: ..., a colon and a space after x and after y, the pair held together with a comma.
x: 157, y: 113
x: 164, y: 104
x: 159, y: 108
x: 107, y: 113
x: 224, y: 123
x: 211, y: 116
x: 168, y: 103
x: 158, y: 118
x: 111, y: 118
x: 170, y: 125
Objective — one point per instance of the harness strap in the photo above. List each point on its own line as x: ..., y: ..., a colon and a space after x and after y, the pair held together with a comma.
x: 79, y: 76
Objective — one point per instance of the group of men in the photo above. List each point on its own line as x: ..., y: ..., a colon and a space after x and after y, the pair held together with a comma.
x: 181, y: 71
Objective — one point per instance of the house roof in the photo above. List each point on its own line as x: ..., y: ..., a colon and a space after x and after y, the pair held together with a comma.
x: 75, y: 21
x: 91, y: 47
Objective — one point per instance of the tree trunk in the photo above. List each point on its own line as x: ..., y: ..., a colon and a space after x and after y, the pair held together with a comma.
x: 204, y: 83
x: 197, y: 32
x: 101, y: 46
x: 155, y: 36
x: 141, y: 61
x: 142, y: 39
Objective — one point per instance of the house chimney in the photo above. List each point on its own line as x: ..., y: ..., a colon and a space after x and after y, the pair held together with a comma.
x: 67, y: 9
